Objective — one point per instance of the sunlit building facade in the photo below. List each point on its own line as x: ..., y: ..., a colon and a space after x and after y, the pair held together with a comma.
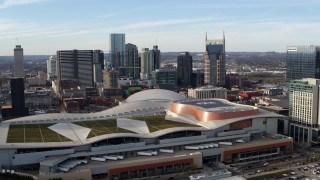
x: 303, y: 62
x: 215, y: 62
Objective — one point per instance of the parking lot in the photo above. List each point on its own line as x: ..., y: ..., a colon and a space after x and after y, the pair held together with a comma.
x: 305, y: 166
x: 295, y: 171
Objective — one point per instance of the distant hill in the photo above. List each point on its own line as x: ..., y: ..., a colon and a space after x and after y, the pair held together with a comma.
x: 164, y: 54
x: 26, y: 57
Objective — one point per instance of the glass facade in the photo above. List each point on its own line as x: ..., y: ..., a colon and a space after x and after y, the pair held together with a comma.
x: 117, y: 50
x: 142, y: 172
x: 184, y: 69
x: 131, y: 64
x: 256, y: 154
x: 164, y: 77
x: 299, y: 133
x: 303, y: 62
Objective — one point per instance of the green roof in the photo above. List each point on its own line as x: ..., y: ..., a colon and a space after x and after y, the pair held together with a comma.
x: 40, y: 133
x: 33, y: 133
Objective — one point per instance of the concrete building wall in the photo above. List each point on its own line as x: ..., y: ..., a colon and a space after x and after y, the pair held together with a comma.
x: 272, y: 125
x: 36, y: 157
x: 18, y: 62
x: 258, y: 123
x: 165, y: 141
x: 6, y: 158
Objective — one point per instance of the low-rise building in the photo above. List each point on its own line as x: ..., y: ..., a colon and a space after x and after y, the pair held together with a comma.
x: 207, y: 92
x: 39, y: 80
x: 247, y: 95
x: 164, y: 76
x: 38, y: 98
x: 273, y: 91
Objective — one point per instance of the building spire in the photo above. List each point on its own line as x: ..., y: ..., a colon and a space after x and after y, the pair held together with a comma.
x: 206, y: 36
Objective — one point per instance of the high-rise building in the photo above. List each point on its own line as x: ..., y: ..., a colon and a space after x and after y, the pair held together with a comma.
x: 303, y: 62
x: 18, y: 61
x: 98, y: 65
x: 147, y: 63
x: 164, y: 76
x: 184, y: 69
x: 117, y: 50
x: 75, y: 65
x: 110, y: 78
x: 97, y: 73
x: 17, y: 98
x: 132, y: 65
x: 98, y: 57
x: 51, y: 67
x: 156, y: 57
x: 215, y: 62
x: 304, y: 110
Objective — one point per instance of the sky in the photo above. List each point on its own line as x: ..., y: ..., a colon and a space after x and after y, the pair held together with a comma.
x: 44, y: 26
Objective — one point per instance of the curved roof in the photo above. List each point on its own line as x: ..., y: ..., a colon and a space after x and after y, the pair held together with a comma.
x: 155, y: 94
x: 213, y: 109
x: 127, y: 109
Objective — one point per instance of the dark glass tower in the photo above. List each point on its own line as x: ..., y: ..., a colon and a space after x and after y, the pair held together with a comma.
x: 156, y: 57
x: 303, y: 62
x: 184, y: 69
x: 132, y: 66
x: 17, y: 98
x: 17, y: 92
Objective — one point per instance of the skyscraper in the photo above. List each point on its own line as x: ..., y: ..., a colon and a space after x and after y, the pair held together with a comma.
x: 147, y: 63
x: 117, y: 50
x: 98, y: 65
x: 76, y: 65
x: 184, y: 69
x: 132, y: 64
x: 304, y: 110
x: 303, y: 62
x: 156, y: 57
x: 51, y: 67
x: 98, y: 57
x: 18, y: 62
x: 215, y: 62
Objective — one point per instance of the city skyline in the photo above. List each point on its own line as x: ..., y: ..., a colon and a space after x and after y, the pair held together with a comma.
x: 45, y: 26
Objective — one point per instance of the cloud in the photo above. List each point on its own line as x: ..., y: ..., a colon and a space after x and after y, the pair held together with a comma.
x: 157, y: 23
x: 10, y: 3
x: 120, y: 13
x: 12, y: 30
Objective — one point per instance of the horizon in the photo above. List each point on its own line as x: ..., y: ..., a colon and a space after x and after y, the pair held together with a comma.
x: 45, y: 26
x: 161, y: 52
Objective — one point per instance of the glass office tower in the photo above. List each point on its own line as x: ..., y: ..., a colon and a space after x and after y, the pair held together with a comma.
x: 184, y: 69
x: 303, y: 62
x: 117, y: 50
x: 132, y: 65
